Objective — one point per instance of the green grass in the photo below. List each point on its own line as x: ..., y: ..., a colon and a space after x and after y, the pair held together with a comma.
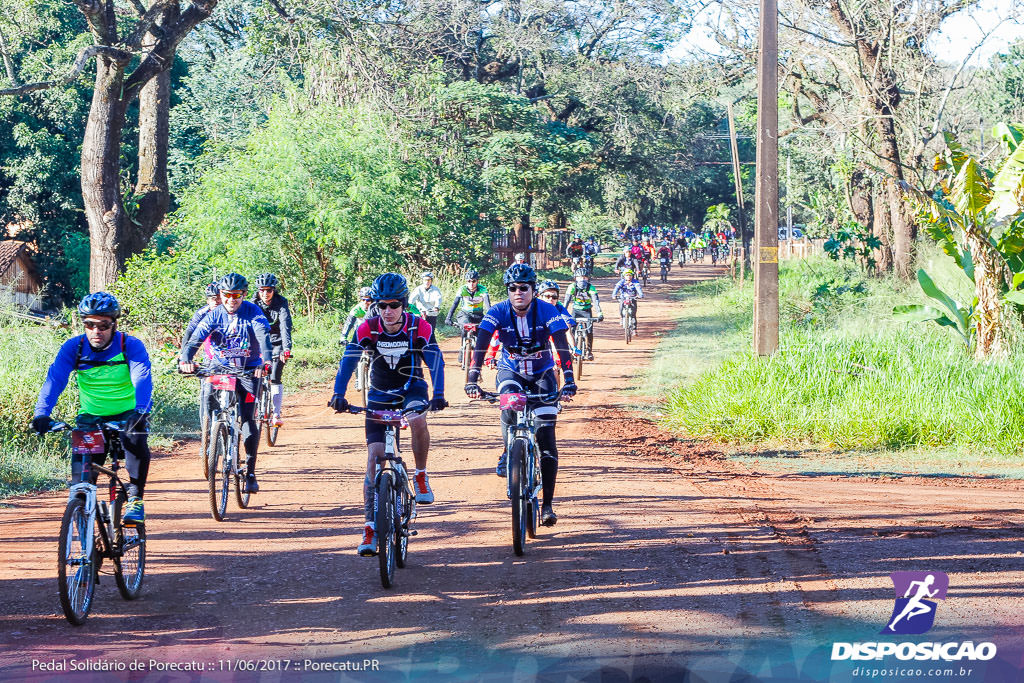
x: 847, y: 376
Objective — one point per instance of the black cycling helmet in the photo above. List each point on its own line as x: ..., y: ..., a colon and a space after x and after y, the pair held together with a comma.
x: 267, y: 280
x: 472, y: 275
x: 520, y: 272
x: 212, y: 289
x: 547, y: 285
x: 389, y: 286
x: 100, y: 303
x: 233, y: 282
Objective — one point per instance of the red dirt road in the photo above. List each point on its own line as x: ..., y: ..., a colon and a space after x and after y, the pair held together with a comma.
x: 667, y: 559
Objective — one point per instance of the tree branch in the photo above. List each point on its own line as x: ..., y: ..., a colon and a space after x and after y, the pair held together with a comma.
x: 83, y: 57
x: 12, y: 76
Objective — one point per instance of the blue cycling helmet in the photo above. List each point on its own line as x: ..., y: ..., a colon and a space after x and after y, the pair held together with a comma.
x: 472, y: 275
x: 212, y: 289
x: 100, y: 303
x: 389, y: 286
x: 547, y: 285
x: 233, y: 282
x: 267, y: 280
x: 520, y: 272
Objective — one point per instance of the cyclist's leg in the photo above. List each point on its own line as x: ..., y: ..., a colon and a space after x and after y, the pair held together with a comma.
x: 506, y: 381
x: 276, y: 388
x: 136, y: 449
x: 546, y: 414
x: 415, y: 399
x: 246, y: 391
x: 374, y: 450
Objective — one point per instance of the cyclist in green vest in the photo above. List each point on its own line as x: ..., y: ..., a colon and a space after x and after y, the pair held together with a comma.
x: 471, y: 301
x: 115, y: 383
x: 582, y: 297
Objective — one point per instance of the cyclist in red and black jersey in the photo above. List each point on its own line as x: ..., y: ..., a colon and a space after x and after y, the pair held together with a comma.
x: 396, y: 341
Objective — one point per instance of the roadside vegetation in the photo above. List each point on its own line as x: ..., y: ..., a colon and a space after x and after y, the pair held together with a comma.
x: 848, y: 375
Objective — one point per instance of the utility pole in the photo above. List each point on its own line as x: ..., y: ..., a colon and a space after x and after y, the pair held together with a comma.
x: 766, y: 216
x: 744, y: 237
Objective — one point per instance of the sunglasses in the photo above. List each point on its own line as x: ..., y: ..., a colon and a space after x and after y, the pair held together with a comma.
x: 389, y: 304
x: 94, y: 325
x: 551, y: 297
x: 264, y: 290
x: 519, y: 288
x: 231, y: 295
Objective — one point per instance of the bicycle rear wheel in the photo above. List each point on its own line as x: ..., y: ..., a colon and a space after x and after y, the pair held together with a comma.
x: 384, y: 524
x: 267, y: 416
x: 241, y: 495
x: 129, y: 553
x: 520, y: 498
x: 218, y: 478
x: 76, y: 591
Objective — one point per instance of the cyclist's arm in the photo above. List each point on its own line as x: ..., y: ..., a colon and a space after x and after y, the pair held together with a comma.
x: 191, y: 327
x: 432, y: 356
x: 347, y: 367
x: 141, y: 373
x: 451, y: 313
x: 190, y: 345
x: 568, y: 294
x: 639, y: 290
x: 261, y: 327
x: 57, y: 376
x: 596, y: 301
x: 483, y: 339
x: 486, y: 301
x: 560, y: 339
x: 417, y: 296
x: 285, y: 319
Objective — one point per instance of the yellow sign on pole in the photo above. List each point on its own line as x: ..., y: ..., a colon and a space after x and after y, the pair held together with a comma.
x: 769, y: 255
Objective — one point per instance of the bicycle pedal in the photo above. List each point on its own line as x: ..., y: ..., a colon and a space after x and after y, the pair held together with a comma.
x: 413, y: 532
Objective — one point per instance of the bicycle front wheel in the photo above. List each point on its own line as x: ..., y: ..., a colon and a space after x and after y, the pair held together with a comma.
x: 627, y: 328
x: 384, y: 525
x: 517, y: 485
x: 219, y: 463
x: 76, y: 573
x: 241, y: 495
x: 402, y: 520
x: 129, y: 554
x: 204, y: 439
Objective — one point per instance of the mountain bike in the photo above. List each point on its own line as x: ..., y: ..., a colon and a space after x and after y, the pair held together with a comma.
x: 524, y: 478
x: 204, y: 427
x: 394, y: 505
x: 628, y: 321
x: 682, y: 256
x: 645, y: 271
x: 469, y: 331
x: 666, y: 263
x: 223, y: 440
x: 91, y: 529
x: 588, y: 265
x: 265, y: 412
x: 581, y: 340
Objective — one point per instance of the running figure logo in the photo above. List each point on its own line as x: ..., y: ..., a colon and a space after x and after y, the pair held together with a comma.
x: 914, y: 612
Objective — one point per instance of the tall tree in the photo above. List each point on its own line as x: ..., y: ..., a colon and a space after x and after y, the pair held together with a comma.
x: 132, y: 53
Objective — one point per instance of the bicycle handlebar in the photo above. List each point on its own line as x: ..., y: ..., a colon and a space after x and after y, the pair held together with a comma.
x: 494, y: 397
x: 224, y: 370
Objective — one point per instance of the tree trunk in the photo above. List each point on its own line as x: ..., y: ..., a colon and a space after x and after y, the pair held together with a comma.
x: 989, y: 332
x: 523, y: 229
x: 904, y: 228
x: 882, y: 229
x: 101, y: 180
x: 151, y: 190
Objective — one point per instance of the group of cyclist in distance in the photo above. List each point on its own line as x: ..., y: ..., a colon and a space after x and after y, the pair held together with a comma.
x: 524, y: 338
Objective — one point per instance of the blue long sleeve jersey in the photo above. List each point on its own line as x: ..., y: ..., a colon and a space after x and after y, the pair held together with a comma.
x: 395, y: 357
x: 239, y: 340
x: 197, y: 318
x: 60, y: 370
x: 524, y: 339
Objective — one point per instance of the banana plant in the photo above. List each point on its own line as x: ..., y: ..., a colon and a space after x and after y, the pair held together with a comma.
x: 963, y: 215
x: 957, y: 317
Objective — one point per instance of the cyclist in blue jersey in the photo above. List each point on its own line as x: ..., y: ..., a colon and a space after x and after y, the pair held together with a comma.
x: 239, y: 338
x: 115, y: 384
x: 212, y: 302
x: 526, y: 327
x: 397, y: 341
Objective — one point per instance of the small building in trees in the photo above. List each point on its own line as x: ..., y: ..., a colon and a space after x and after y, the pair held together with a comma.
x: 19, y: 279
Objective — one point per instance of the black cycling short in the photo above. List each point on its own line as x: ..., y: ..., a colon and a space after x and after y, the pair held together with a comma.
x: 413, y: 398
x: 276, y: 366
x: 509, y: 382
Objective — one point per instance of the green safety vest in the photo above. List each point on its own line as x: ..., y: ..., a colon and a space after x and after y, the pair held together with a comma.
x: 104, y: 387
